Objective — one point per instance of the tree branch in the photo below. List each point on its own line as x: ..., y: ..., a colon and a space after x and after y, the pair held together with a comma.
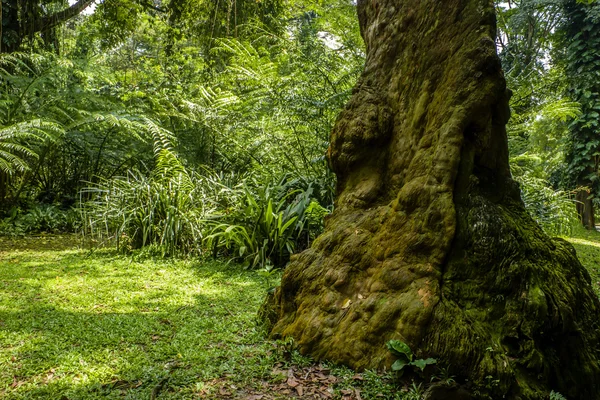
x: 61, y: 16
x: 147, y: 4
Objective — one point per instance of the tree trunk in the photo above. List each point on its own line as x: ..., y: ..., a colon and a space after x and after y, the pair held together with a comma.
x: 430, y: 242
x: 585, y: 208
x: 3, y: 189
x: 26, y: 18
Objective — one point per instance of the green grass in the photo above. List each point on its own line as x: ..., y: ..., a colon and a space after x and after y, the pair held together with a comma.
x: 108, y: 327
x: 587, y: 245
x: 76, y: 324
x: 82, y: 325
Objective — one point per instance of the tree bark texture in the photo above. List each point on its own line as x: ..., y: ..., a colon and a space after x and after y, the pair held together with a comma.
x: 430, y: 242
x: 585, y: 209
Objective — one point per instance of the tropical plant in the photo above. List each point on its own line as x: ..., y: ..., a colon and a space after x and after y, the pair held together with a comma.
x: 582, y: 66
x: 405, y: 357
x: 267, y: 228
x: 164, y: 209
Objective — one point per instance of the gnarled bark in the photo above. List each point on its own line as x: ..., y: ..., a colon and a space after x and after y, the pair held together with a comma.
x: 430, y: 242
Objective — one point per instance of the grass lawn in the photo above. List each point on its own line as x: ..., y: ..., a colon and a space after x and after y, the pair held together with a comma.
x: 74, y: 325
x: 81, y: 325
x: 587, y: 245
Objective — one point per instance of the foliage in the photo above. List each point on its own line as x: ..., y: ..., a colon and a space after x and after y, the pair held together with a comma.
x: 553, y: 209
x: 582, y: 64
x: 258, y: 107
x: 269, y: 225
x: 41, y: 218
x: 179, y: 211
x: 61, y: 130
x: 538, y: 140
x: 27, y: 119
x: 547, y: 157
x: 526, y: 34
x: 164, y: 209
x: 556, y: 396
x: 405, y: 357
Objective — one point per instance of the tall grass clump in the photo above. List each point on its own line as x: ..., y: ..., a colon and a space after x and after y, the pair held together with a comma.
x: 164, y: 209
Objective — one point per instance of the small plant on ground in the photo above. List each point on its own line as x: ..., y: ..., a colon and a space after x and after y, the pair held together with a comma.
x: 272, y: 222
x: 406, y: 357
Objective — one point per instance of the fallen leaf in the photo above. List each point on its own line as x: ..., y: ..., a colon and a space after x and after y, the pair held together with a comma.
x: 292, y: 382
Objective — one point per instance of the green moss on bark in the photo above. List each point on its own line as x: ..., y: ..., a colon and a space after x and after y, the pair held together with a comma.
x: 430, y: 243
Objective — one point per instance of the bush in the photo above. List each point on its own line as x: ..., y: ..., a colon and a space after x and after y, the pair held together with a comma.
x: 553, y: 209
x: 164, y: 209
x: 181, y: 213
x: 40, y: 218
x: 273, y: 222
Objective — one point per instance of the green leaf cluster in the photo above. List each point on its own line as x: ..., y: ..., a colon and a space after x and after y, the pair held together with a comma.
x: 405, y: 357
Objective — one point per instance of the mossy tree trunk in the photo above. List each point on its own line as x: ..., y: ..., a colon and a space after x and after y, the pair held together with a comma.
x: 430, y: 242
x: 21, y: 19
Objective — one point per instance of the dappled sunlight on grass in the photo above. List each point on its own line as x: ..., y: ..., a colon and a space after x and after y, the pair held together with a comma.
x: 584, y: 242
x: 107, y: 326
x: 587, y: 245
x: 99, y: 325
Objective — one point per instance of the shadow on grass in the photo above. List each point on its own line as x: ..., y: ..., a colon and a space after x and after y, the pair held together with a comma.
x: 106, y: 327
x: 87, y: 355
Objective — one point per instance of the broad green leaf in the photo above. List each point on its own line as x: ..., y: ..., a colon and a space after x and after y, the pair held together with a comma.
x: 399, y: 364
x: 399, y: 348
x: 421, y: 364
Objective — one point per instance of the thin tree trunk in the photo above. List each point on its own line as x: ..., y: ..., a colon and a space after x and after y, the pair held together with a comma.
x: 430, y: 242
x: 3, y: 188
x: 585, y: 209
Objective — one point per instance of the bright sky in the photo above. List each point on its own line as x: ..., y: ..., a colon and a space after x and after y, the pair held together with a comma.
x: 89, y: 10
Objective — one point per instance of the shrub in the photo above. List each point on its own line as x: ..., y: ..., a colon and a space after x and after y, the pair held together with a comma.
x: 272, y: 222
x: 553, y: 209
x: 164, y: 209
x: 40, y: 218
